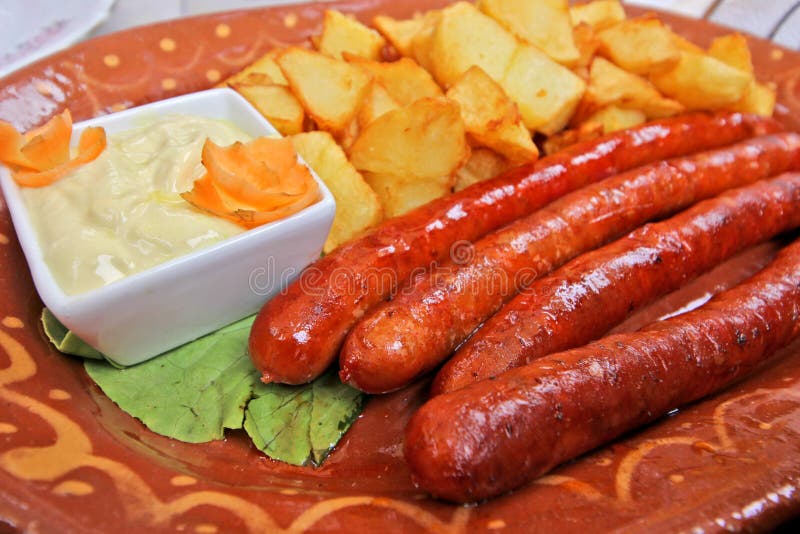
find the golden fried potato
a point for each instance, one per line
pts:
(547, 93)
(357, 205)
(491, 118)
(759, 99)
(610, 85)
(410, 155)
(341, 33)
(685, 45)
(277, 103)
(422, 42)
(599, 14)
(400, 33)
(733, 50)
(255, 72)
(330, 90)
(376, 102)
(587, 43)
(425, 139)
(545, 24)
(464, 37)
(482, 164)
(700, 81)
(404, 79)
(613, 118)
(642, 46)
(400, 194)
(583, 132)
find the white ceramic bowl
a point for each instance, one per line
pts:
(145, 314)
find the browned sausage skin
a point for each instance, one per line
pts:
(297, 334)
(594, 292)
(496, 435)
(399, 340)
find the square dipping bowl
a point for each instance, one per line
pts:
(145, 314)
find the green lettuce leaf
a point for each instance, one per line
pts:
(191, 393)
(302, 424)
(335, 407)
(278, 420)
(196, 391)
(64, 340)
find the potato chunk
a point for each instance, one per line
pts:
(641, 46)
(330, 90)
(410, 155)
(547, 93)
(341, 34)
(357, 205)
(545, 24)
(491, 118)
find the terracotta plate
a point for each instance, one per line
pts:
(71, 461)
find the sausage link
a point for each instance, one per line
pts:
(496, 435)
(596, 291)
(399, 340)
(298, 334)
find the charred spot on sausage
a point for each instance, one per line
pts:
(741, 339)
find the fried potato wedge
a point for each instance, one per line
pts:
(404, 79)
(545, 24)
(410, 155)
(733, 50)
(425, 139)
(583, 132)
(491, 118)
(700, 81)
(610, 85)
(376, 102)
(341, 33)
(642, 46)
(357, 205)
(587, 43)
(330, 90)
(759, 99)
(599, 14)
(256, 71)
(546, 92)
(277, 103)
(613, 118)
(422, 42)
(400, 194)
(482, 164)
(399, 33)
(464, 37)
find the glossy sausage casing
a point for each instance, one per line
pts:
(297, 334)
(399, 340)
(496, 435)
(594, 292)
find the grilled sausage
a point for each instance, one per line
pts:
(298, 334)
(400, 340)
(596, 291)
(495, 435)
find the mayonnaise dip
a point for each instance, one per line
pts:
(122, 213)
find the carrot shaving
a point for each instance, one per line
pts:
(48, 146)
(42, 156)
(11, 143)
(253, 183)
(91, 145)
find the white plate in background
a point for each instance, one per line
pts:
(33, 29)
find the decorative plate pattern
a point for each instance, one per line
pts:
(71, 461)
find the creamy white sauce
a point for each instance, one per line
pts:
(122, 213)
